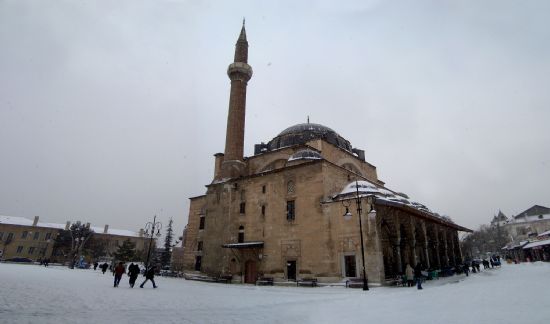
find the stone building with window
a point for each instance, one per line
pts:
(24, 238)
(279, 213)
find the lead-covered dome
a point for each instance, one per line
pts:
(303, 133)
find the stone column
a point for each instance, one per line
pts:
(426, 243)
(436, 247)
(413, 241)
(445, 248)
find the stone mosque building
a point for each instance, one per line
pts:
(279, 213)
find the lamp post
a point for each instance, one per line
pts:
(152, 226)
(372, 213)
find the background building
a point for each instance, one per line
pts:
(24, 238)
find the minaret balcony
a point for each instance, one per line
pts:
(239, 68)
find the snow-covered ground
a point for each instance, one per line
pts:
(34, 294)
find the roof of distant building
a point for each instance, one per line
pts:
(535, 210)
(22, 221)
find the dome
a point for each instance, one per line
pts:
(305, 155)
(303, 133)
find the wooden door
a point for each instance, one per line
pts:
(250, 272)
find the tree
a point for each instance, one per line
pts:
(79, 235)
(167, 253)
(126, 252)
(96, 248)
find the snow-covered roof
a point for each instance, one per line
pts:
(544, 234)
(114, 231)
(537, 243)
(22, 221)
(367, 188)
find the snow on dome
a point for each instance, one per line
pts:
(305, 155)
(303, 133)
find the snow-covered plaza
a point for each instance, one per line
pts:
(34, 294)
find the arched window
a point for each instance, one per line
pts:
(241, 234)
(290, 187)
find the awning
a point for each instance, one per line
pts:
(244, 245)
(538, 243)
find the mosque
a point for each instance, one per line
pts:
(280, 213)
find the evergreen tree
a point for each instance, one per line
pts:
(126, 251)
(167, 253)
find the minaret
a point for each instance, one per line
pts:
(239, 72)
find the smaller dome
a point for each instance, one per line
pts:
(305, 155)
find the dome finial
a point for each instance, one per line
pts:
(308, 119)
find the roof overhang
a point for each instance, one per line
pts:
(244, 245)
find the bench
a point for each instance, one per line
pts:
(264, 281)
(225, 279)
(354, 283)
(310, 282)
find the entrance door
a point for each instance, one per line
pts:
(349, 264)
(198, 261)
(291, 270)
(250, 272)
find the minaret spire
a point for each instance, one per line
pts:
(239, 73)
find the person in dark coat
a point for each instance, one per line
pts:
(104, 267)
(133, 272)
(119, 271)
(466, 269)
(418, 275)
(150, 275)
(95, 265)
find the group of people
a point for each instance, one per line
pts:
(494, 261)
(45, 262)
(413, 275)
(133, 272)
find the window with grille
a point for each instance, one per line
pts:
(290, 187)
(36, 236)
(19, 249)
(201, 222)
(290, 210)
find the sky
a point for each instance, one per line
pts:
(111, 111)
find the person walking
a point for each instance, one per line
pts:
(119, 270)
(133, 272)
(95, 265)
(150, 275)
(409, 274)
(418, 275)
(104, 267)
(466, 269)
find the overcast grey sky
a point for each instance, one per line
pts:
(110, 111)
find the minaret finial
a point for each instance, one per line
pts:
(308, 119)
(244, 19)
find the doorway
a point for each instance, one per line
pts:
(291, 270)
(250, 272)
(198, 261)
(350, 269)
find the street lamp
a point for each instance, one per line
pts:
(372, 215)
(151, 226)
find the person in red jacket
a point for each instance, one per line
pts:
(119, 270)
